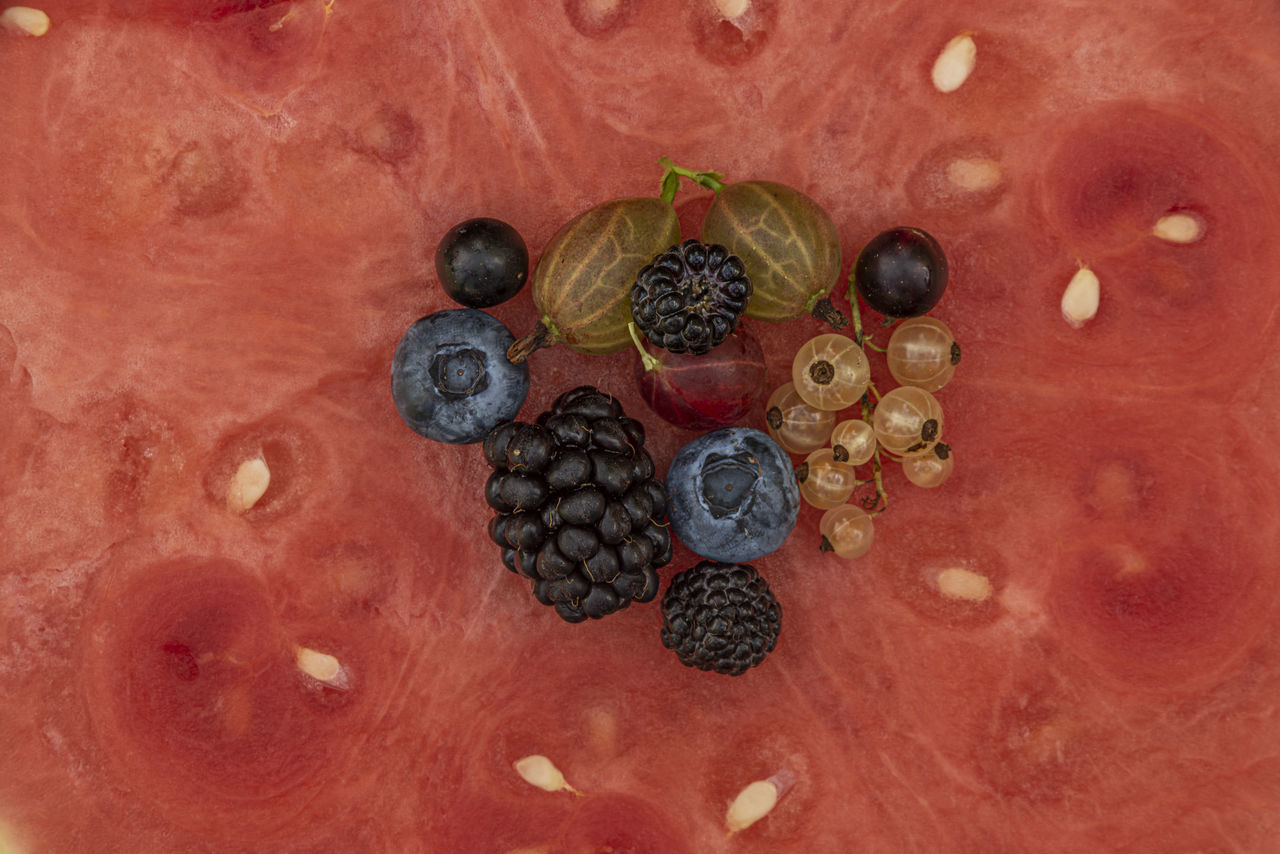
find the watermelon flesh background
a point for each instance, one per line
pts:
(215, 222)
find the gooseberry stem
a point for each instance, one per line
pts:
(544, 334)
(650, 363)
(672, 174)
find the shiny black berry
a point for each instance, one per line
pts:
(721, 617)
(579, 510)
(482, 262)
(690, 297)
(901, 272)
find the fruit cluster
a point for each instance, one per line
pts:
(579, 509)
(902, 271)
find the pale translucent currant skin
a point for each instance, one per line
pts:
(847, 530)
(902, 420)
(830, 372)
(825, 483)
(855, 440)
(928, 470)
(794, 424)
(922, 352)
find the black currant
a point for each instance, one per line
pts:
(901, 272)
(482, 262)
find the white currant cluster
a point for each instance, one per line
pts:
(831, 373)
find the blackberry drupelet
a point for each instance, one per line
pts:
(580, 512)
(721, 617)
(689, 299)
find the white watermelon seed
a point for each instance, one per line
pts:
(965, 584)
(1178, 228)
(955, 63)
(974, 174)
(248, 485)
(538, 770)
(732, 10)
(321, 667)
(757, 800)
(1080, 299)
(24, 21)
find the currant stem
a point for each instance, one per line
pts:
(882, 497)
(671, 179)
(855, 314)
(650, 362)
(881, 502)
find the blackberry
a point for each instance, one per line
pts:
(689, 299)
(579, 511)
(721, 617)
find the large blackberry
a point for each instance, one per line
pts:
(689, 299)
(579, 509)
(721, 617)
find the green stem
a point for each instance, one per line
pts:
(881, 503)
(882, 497)
(650, 362)
(855, 313)
(672, 174)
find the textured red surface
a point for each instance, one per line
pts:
(214, 226)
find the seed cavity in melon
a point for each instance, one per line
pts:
(582, 283)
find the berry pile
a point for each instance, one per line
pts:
(579, 510)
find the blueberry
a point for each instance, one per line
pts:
(733, 495)
(450, 378)
(482, 262)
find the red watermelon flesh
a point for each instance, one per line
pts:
(217, 218)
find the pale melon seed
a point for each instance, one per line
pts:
(8, 845)
(757, 800)
(321, 667)
(964, 584)
(248, 485)
(1178, 228)
(974, 175)
(732, 10)
(752, 804)
(24, 21)
(538, 770)
(1080, 299)
(954, 65)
